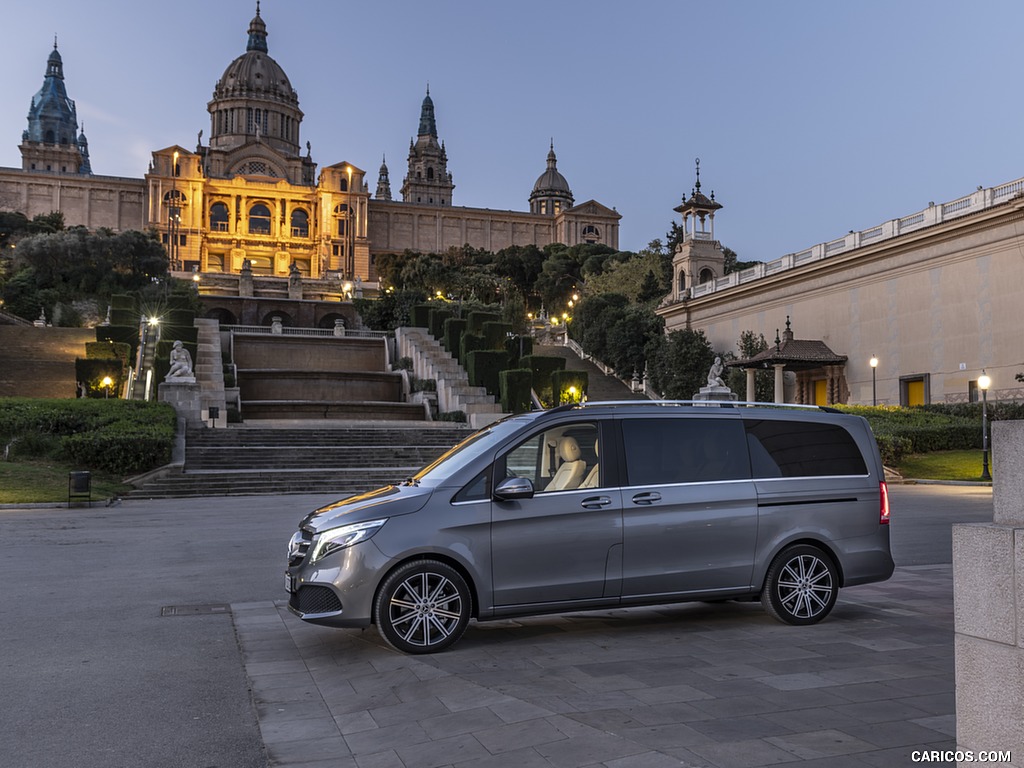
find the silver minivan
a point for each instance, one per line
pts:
(604, 505)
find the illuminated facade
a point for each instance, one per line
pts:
(252, 194)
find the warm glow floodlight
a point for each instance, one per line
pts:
(984, 381)
(873, 362)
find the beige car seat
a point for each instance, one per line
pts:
(594, 475)
(571, 470)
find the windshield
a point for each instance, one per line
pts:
(457, 457)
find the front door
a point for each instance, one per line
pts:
(564, 544)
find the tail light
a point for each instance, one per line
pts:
(883, 511)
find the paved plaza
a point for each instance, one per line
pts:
(689, 685)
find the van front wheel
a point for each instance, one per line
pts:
(801, 586)
(423, 607)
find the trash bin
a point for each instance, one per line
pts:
(80, 486)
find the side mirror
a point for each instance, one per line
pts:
(513, 488)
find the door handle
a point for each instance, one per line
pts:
(594, 502)
(646, 498)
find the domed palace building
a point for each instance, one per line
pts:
(252, 195)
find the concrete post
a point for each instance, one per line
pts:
(988, 608)
(751, 388)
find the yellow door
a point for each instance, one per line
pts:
(915, 392)
(821, 392)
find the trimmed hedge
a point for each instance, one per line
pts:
(542, 366)
(495, 333)
(435, 322)
(477, 319)
(454, 327)
(561, 381)
(512, 345)
(515, 390)
(116, 436)
(484, 367)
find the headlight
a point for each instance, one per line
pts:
(330, 541)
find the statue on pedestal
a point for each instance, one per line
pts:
(181, 363)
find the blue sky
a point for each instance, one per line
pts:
(810, 118)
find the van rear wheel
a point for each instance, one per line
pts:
(801, 585)
(423, 607)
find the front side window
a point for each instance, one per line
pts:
(684, 450)
(300, 223)
(562, 458)
(219, 217)
(802, 449)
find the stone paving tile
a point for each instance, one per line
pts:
(719, 686)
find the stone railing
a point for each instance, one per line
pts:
(289, 331)
(933, 214)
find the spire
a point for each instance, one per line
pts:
(257, 33)
(383, 181)
(552, 161)
(428, 126)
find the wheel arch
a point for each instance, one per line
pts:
(809, 541)
(439, 558)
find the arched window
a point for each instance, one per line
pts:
(300, 223)
(682, 282)
(706, 276)
(259, 220)
(430, 173)
(219, 217)
(591, 234)
(343, 184)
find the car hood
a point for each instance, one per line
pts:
(388, 501)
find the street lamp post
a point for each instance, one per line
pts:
(874, 390)
(175, 214)
(984, 382)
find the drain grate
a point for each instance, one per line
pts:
(211, 609)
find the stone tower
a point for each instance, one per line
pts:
(52, 141)
(699, 258)
(383, 181)
(428, 181)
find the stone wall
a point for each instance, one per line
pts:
(988, 605)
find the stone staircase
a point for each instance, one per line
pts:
(430, 360)
(343, 458)
(600, 386)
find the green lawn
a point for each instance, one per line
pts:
(45, 480)
(943, 465)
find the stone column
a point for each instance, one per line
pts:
(780, 384)
(988, 608)
(751, 388)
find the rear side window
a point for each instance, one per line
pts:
(802, 449)
(664, 451)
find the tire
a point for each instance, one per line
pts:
(801, 585)
(423, 607)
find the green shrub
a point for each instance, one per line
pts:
(495, 334)
(515, 390)
(483, 366)
(118, 436)
(459, 416)
(542, 367)
(514, 343)
(478, 318)
(470, 342)
(569, 386)
(420, 315)
(435, 321)
(454, 327)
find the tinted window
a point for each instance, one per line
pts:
(802, 449)
(660, 451)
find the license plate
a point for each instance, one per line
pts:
(289, 582)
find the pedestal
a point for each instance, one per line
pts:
(988, 608)
(183, 394)
(715, 394)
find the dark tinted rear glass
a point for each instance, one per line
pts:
(802, 449)
(661, 451)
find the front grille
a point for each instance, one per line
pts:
(299, 546)
(312, 598)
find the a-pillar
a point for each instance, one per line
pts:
(780, 383)
(988, 608)
(751, 386)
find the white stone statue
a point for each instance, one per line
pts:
(181, 362)
(715, 374)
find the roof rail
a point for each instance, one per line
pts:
(728, 403)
